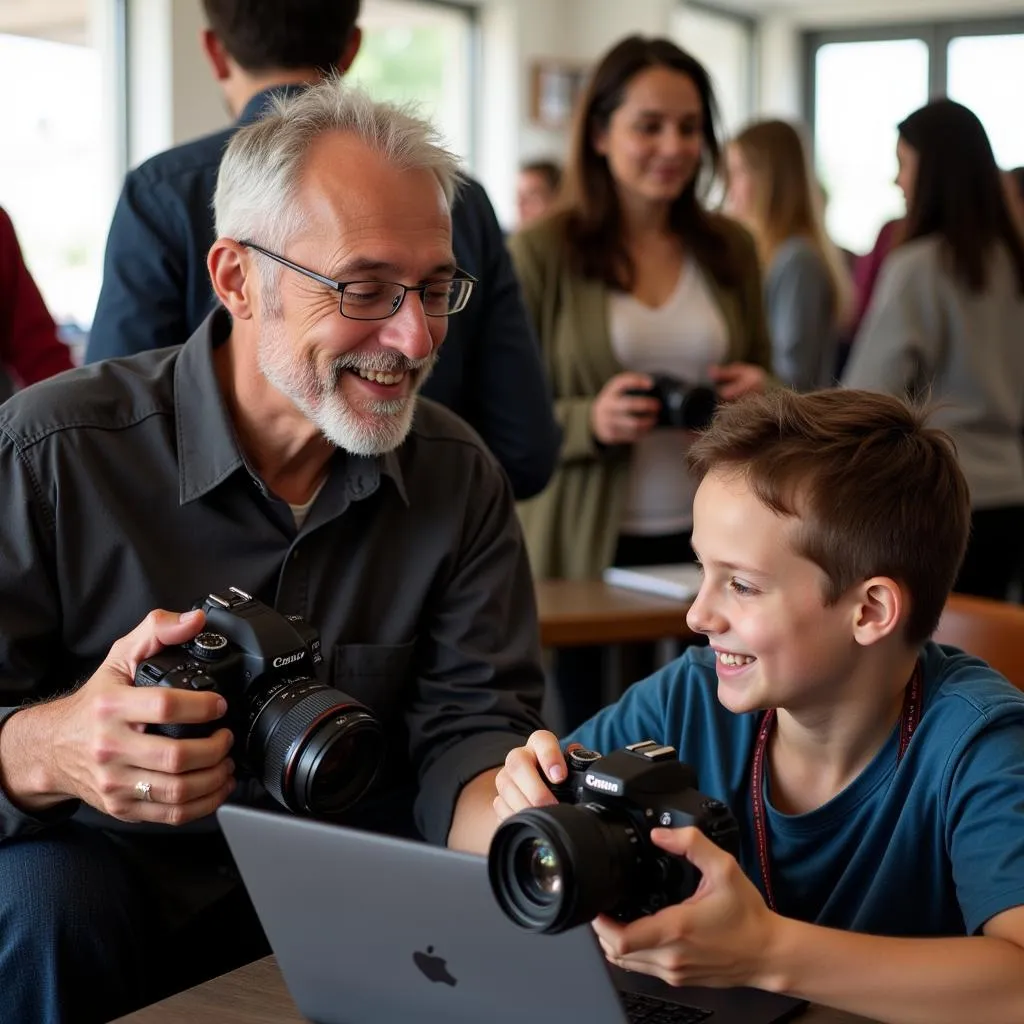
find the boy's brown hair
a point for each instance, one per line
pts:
(879, 492)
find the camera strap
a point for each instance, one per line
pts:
(910, 716)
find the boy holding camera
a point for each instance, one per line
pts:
(877, 778)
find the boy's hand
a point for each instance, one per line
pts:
(721, 936)
(520, 784)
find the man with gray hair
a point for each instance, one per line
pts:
(281, 450)
(156, 290)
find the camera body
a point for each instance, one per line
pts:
(315, 749)
(682, 405)
(552, 868)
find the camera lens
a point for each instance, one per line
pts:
(319, 748)
(553, 868)
(539, 868)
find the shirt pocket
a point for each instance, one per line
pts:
(379, 675)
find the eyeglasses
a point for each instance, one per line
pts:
(377, 300)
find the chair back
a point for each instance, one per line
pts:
(992, 630)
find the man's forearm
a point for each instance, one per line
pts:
(474, 820)
(24, 772)
(899, 981)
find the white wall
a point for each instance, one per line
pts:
(172, 95)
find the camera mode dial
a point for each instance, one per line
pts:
(580, 758)
(209, 646)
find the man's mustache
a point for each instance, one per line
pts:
(381, 362)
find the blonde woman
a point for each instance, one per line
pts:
(807, 289)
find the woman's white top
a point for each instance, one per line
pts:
(682, 337)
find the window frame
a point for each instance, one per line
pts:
(936, 35)
(474, 65)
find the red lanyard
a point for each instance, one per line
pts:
(910, 716)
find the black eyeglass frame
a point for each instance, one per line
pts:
(463, 278)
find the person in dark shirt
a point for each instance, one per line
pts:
(282, 450)
(29, 347)
(156, 290)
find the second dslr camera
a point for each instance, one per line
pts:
(553, 868)
(315, 749)
(687, 406)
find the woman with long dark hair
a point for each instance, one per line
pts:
(633, 278)
(947, 323)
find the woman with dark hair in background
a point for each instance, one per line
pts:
(772, 192)
(633, 277)
(947, 324)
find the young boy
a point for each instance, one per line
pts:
(884, 774)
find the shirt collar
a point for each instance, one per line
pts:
(208, 450)
(260, 103)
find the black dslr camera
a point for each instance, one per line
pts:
(689, 406)
(315, 749)
(553, 868)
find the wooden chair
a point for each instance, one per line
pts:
(993, 630)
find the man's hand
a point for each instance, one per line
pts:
(92, 745)
(720, 936)
(520, 784)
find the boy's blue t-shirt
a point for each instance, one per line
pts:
(932, 847)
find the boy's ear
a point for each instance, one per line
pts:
(880, 610)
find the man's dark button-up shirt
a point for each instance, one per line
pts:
(156, 291)
(125, 490)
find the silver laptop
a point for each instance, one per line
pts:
(370, 929)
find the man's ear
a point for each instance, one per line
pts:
(349, 53)
(216, 55)
(233, 276)
(880, 610)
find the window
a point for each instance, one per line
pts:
(63, 123)
(986, 73)
(862, 83)
(421, 52)
(855, 130)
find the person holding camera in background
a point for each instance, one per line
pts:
(877, 778)
(281, 450)
(633, 278)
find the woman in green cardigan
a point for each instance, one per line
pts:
(632, 277)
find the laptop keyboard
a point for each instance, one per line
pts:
(649, 1010)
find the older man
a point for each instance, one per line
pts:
(281, 450)
(156, 290)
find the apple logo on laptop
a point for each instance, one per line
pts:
(433, 966)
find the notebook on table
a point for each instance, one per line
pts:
(681, 581)
(370, 929)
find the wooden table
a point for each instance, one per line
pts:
(576, 612)
(256, 995)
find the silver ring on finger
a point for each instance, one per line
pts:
(144, 791)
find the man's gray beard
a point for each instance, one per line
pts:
(384, 425)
